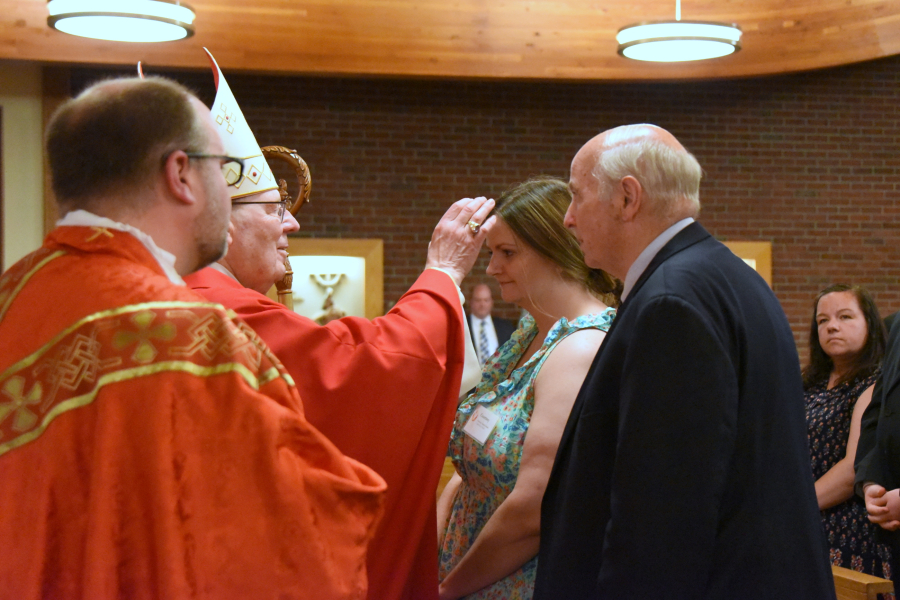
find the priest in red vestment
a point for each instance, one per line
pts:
(151, 446)
(384, 391)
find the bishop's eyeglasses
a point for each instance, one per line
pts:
(280, 208)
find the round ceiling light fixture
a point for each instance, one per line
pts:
(678, 41)
(123, 20)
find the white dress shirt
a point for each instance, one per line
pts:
(490, 333)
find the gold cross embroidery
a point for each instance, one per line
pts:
(98, 231)
(145, 352)
(23, 419)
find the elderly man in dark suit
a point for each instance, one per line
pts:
(683, 471)
(488, 332)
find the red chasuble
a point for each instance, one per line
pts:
(385, 392)
(151, 447)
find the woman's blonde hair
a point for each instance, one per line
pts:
(534, 211)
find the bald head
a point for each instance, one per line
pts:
(628, 185)
(667, 172)
(629, 134)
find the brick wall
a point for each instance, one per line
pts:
(809, 162)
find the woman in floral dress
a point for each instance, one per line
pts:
(506, 433)
(847, 341)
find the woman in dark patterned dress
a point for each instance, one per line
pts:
(846, 346)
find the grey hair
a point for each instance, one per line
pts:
(670, 176)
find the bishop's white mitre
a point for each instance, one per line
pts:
(238, 140)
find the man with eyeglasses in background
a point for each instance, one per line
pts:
(151, 446)
(384, 391)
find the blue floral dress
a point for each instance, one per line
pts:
(489, 471)
(851, 537)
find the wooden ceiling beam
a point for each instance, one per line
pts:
(517, 39)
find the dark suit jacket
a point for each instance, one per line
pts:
(878, 451)
(503, 327)
(684, 470)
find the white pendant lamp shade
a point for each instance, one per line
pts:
(123, 20)
(678, 41)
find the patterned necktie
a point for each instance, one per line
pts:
(483, 342)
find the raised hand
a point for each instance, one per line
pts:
(455, 243)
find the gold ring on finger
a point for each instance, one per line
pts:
(474, 227)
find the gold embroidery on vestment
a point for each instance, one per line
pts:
(9, 288)
(120, 344)
(23, 419)
(99, 316)
(125, 375)
(269, 376)
(98, 231)
(145, 352)
(75, 363)
(209, 335)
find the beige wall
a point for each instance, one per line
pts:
(23, 213)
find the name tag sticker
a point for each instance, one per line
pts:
(481, 424)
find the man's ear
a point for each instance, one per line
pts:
(176, 171)
(633, 197)
(230, 235)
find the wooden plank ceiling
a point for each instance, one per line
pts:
(517, 39)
